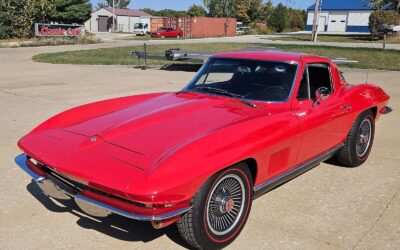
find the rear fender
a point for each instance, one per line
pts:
(366, 96)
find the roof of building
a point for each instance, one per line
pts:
(127, 12)
(343, 5)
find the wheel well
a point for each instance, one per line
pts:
(374, 111)
(252, 165)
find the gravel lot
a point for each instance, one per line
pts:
(327, 208)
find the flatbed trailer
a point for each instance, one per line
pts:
(200, 57)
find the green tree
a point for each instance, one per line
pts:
(165, 12)
(379, 17)
(5, 21)
(388, 4)
(150, 11)
(241, 11)
(17, 17)
(279, 19)
(297, 20)
(255, 10)
(101, 5)
(220, 8)
(266, 11)
(71, 11)
(121, 4)
(171, 13)
(196, 10)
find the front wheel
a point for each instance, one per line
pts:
(220, 209)
(359, 141)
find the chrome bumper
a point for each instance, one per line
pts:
(88, 205)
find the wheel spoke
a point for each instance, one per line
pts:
(225, 204)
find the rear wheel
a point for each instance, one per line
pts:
(359, 141)
(220, 209)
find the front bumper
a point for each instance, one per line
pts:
(87, 204)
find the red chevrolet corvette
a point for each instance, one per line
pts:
(245, 124)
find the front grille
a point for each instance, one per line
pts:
(79, 187)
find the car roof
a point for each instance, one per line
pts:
(269, 55)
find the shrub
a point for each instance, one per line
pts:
(296, 20)
(378, 17)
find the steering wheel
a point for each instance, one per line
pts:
(265, 89)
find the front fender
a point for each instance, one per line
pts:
(178, 174)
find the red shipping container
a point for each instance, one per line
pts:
(213, 27)
(156, 23)
(199, 27)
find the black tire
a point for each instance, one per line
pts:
(359, 141)
(202, 226)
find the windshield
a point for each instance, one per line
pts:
(138, 25)
(162, 29)
(253, 80)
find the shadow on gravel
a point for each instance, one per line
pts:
(114, 226)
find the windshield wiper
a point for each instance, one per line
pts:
(224, 92)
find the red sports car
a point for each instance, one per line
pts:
(245, 124)
(167, 32)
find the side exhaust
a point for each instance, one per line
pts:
(158, 224)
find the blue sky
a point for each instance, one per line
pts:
(184, 4)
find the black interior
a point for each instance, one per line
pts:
(303, 89)
(319, 76)
(254, 80)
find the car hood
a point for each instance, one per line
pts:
(163, 122)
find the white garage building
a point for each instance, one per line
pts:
(341, 16)
(125, 19)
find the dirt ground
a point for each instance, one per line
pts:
(329, 207)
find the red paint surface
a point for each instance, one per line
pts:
(161, 148)
(212, 27)
(171, 32)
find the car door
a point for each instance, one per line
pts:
(323, 122)
(170, 32)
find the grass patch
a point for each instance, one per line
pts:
(367, 58)
(334, 38)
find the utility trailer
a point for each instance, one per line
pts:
(199, 57)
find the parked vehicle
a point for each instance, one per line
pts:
(246, 123)
(167, 32)
(141, 29)
(241, 29)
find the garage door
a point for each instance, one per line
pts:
(103, 23)
(337, 22)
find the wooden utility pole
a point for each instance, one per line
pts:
(315, 23)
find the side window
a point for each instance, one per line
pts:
(304, 90)
(319, 76)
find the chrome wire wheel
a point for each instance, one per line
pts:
(364, 138)
(225, 205)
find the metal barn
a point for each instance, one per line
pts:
(341, 16)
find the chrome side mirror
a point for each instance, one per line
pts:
(321, 94)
